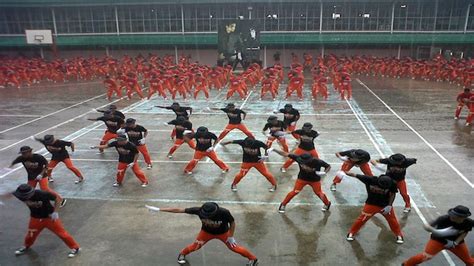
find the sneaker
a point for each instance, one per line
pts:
(225, 170)
(181, 259)
(400, 240)
(326, 207)
(73, 252)
(79, 181)
(145, 184)
(252, 262)
(63, 202)
(350, 237)
(188, 173)
(468, 124)
(407, 210)
(281, 209)
(272, 189)
(283, 170)
(50, 179)
(117, 184)
(21, 251)
(333, 187)
(456, 118)
(233, 188)
(149, 166)
(170, 156)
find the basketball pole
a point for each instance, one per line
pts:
(41, 52)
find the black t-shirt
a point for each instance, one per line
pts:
(40, 204)
(376, 195)
(126, 152)
(204, 141)
(308, 170)
(289, 116)
(251, 153)
(119, 114)
(397, 172)
(58, 149)
(181, 127)
(217, 225)
(135, 134)
(235, 116)
(306, 139)
(113, 123)
(181, 111)
(34, 166)
(444, 222)
(280, 126)
(365, 158)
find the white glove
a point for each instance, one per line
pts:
(275, 111)
(263, 158)
(38, 178)
(54, 216)
(208, 108)
(321, 173)
(450, 244)
(293, 124)
(187, 132)
(239, 56)
(93, 147)
(166, 123)
(279, 134)
(152, 208)
(130, 165)
(121, 131)
(380, 167)
(210, 149)
(270, 150)
(387, 209)
(231, 241)
(340, 174)
(142, 141)
(343, 158)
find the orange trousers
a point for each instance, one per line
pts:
(370, 210)
(122, 167)
(43, 184)
(260, 166)
(299, 151)
(280, 140)
(135, 88)
(237, 89)
(402, 188)
(157, 89)
(231, 127)
(106, 137)
(470, 117)
(297, 88)
(459, 109)
(433, 247)
(179, 142)
(300, 184)
(52, 164)
(204, 237)
(198, 155)
(203, 89)
(346, 166)
(265, 89)
(146, 155)
(37, 225)
(111, 90)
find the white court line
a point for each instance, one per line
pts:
(420, 136)
(20, 116)
(172, 161)
(50, 114)
(256, 114)
(415, 206)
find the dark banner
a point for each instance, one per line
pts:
(238, 42)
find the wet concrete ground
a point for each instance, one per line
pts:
(113, 227)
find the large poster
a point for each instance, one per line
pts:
(238, 42)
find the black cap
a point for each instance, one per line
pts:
(208, 209)
(271, 118)
(24, 192)
(175, 104)
(249, 141)
(397, 158)
(308, 125)
(121, 137)
(384, 181)
(288, 105)
(48, 139)
(202, 130)
(130, 121)
(230, 105)
(25, 149)
(460, 211)
(112, 107)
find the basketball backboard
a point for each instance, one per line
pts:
(39, 37)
